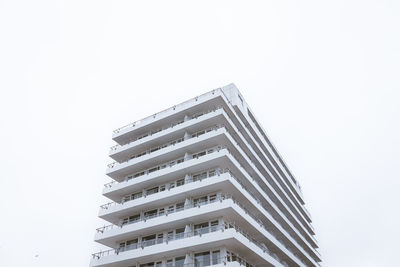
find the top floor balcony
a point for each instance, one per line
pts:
(162, 119)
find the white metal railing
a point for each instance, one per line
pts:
(191, 179)
(165, 165)
(166, 213)
(186, 180)
(192, 233)
(161, 112)
(147, 152)
(258, 220)
(173, 142)
(249, 160)
(172, 125)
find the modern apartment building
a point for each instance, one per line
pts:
(200, 184)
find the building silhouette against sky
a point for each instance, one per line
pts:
(200, 184)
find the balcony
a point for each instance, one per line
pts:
(162, 212)
(161, 157)
(228, 229)
(229, 124)
(180, 123)
(258, 201)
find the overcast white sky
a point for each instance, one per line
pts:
(322, 77)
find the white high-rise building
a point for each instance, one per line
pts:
(200, 184)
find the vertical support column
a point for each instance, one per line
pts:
(188, 203)
(221, 223)
(164, 262)
(188, 178)
(189, 259)
(186, 118)
(187, 157)
(187, 136)
(144, 193)
(188, 230)
(223, 255)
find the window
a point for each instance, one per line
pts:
(180, 206)
(161, 211)
(196, 177)
(199, 176)
(202, 259)
(179, 261)
(179, 233)
(158, 264)
(233, 257)
(171, 185)
(169, 263)
(132, 196)
(141, 154)
(163, 166)
(150, 264)
(154, 149)
(152, 191)
(200, 201)
(138, 174)
(148, 240)
(171, 209)
(136, 195)
(131, 219)
(201, 228)
(154, 169)
(198, 155)
(160, 238)
(162, 188)
(213, 198)
(180, 182)
(150, 214)
(214, 226)
(211, 173)
(131, 244)
(134, 218)
(170, 235)
(216, 257)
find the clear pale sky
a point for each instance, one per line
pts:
(322, 77)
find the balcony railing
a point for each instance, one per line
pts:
(252, 163)
(172, 125)
(173, 142)
(245, 155)
(258, 220)
(167, 164)
(163, 111)
(147, 152)
(192, 178)
(106, 206)
(192, 233)
(185, 207)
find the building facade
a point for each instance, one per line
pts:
(200, 184)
